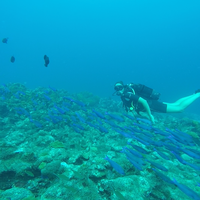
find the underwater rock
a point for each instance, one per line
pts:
(16, 193)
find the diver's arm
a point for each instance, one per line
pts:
(147, 108)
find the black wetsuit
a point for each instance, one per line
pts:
(130, 99)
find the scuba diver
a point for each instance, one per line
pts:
(141, 98)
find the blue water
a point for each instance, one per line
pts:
(93, 44)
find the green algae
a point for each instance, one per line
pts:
(42, 165)
(57, 144)
(62, 177)
(30, 198)
(29, 173)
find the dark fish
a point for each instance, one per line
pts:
(5, 40)
(46, 60)
(12, 59)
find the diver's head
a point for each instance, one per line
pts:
(119, 88)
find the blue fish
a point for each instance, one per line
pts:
(60, 110)
(158, 166)
(161, 154)
(73, 118)
(100, 115)
(135, 164)
(53, 89)
(182, 138)
(129, 116)
(80, 117)
(116, 166)
(190, 153)
(78, 126)
(78, 103)
(22, 111)
(183, 134)
(141, 141)
(47, 97)
(190, 193)
(135, 153)
(77, 130)
(140, 149)
(111, 123)
(55, 119)
(68, 98)
(194, 166)
(146, 121)
(35, 103)
(36, 123)
(134, 160)
(21, 92)
(179, 158)
(158, 131)
(194, 150)
(163, 177)
(102, 129)
(145, 138)
(171, 148)
(172, 140)
(127, 135)
(148, 134)
(92, 125)
(130, 128)
(157, 143)
(148, 128)
(116, 117)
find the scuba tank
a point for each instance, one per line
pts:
(145, 92)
